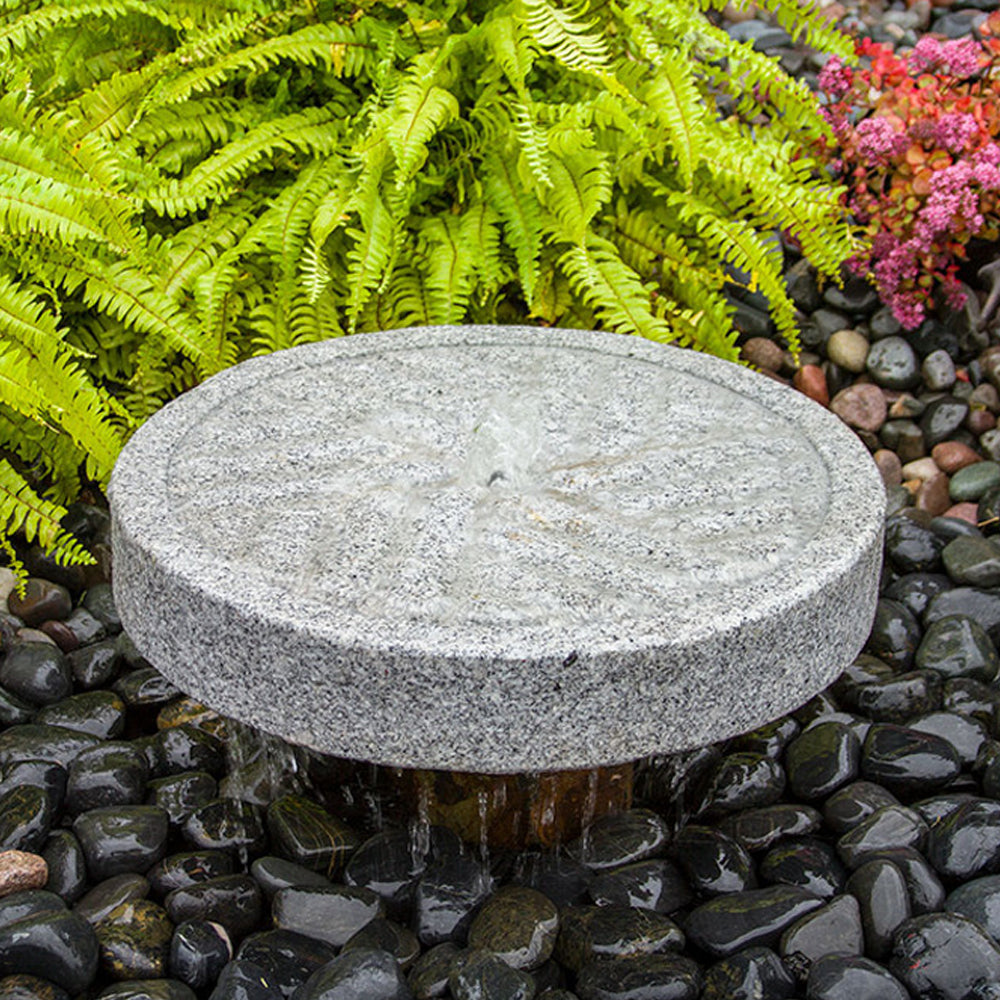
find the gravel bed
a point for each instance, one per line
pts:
(849, 851)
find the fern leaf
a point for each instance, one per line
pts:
(369, 257)
(558, 31)
(674, 98)
(521, 215)
(581, 187)
(420, 110)
(603, 280)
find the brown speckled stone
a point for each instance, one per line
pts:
(950, 456)
(21, 870)
(933, 495)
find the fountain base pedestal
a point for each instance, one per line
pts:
(519, 810)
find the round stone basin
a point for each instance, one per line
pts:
(496, 549)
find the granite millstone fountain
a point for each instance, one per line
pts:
(497, 549)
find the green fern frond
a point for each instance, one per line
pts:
(22, 509)
(420, 110)
(581, 188)
(368, 258)
(674, 98)
(558, 31)
(520, 214)
(601, 278)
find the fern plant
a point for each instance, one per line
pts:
(185, 184)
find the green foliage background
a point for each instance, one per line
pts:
(185, 184)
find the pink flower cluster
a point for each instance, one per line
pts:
(958, 56)
(835, 78)
(954, 129)
(878, 140)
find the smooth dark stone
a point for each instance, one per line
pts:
(947, 957)
(895, 634)
(25, 819)
(273, 874)
(923, 886)
(517, 924)
(966, 736)
(801, 285)
(942, 418)
(242, 979)
(367, 973)
(621, 838)
(758, 829)
(770, 739)
(42, 600)
(226, 824)
(713, 861)
(94, 665)
(953, 527)
(900, 698)
(307, 834)
(880, 889)
(428, 979)
(980, 605)
(385, 935)
(332, 915)
(67, 865)
(36, 672)
(819, 706)
(730, 923)
(812, 865)
(28, 903)
(58, 946)
(974, 699)
(235, 901)
(187, 748)
(752, 974)
(906, 439)
(854, 803)
(121, 839)
(973, 562)
(100, 602)
(385, 864)
(762, 36)
(446, 898)
(286, 959)
(198, 952)
(107, 896)
(958, 646)
(100, 713)
(908, 762)
(177, 871)
(833, 929)
(978, 900)
(647, 976)
(745, 781)
(589, 933)
(134, 940)
(111, 774)
(966, 844)
(821, 760)
(30, 988)
(145, 686)
(848, 977)
(916, 590)
(180, 795)
(911, 547)
(559, 877)
(33, 742)
(656, 884)
(886, 828)
(939, 807)
(78, 629)
(14, 711)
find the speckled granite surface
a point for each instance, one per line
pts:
(496, 549)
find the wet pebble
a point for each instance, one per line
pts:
(25, 818)
(973, 562)
(198, 952)
(713, 861)
(845, 977)
(519, 925)
(234, 901)
(906, 761)
(811, 864)
(307, 834)
(854, 803)
(589, 933)
(286, 959)
(751, 974)
(657, 884)
(108, 895)
(120, 839)
(226, 824)
(895, 634)
(886, 828)
(893, 364)
(20, 870)
(478, 975)
(367, 973)
(881, 892)
(947, 957)
(833, 929)
(36, 672)
(134, 940)
(966, 843)
(958, 646)
(758, 829)
(55, 945)
(42, 600)
(644, 976)
(330, 915)
(729, 923)
(620, 838)
(822, 759)
(111, 774)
